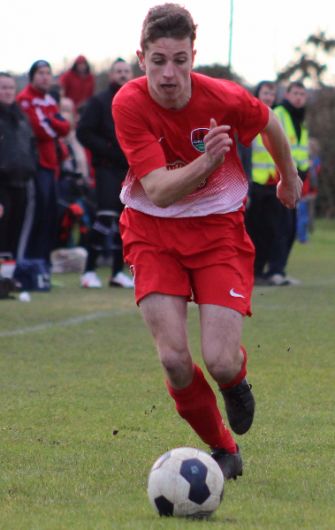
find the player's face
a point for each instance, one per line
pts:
(167, 63)
(7, 90)
(42, 79)
(297, 96)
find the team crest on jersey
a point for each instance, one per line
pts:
(197, 138)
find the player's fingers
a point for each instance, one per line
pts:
(218, 142)
(218, 128)
(212, 123)
(215, 136)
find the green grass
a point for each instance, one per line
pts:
(84, 412)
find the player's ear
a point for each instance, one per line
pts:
(194, 52)
(140, 56)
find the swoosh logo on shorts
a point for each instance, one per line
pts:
(234, 294)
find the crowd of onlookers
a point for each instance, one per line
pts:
(61, 170)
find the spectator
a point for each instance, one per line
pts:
(75, 194)
(262, 214)
(291, 114)
(76, 161)
(18, 164)
(48, 126)
(96, 132)
(78, 83)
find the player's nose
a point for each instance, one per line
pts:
(168, 69)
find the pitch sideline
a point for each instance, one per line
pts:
(65, 323)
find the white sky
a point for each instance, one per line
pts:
(265, 32)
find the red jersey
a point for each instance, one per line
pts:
(153, 137)
(46, 123)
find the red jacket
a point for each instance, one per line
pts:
(48, 125)
(78, 87)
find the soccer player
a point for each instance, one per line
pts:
(183, 225)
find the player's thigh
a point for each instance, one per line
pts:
(221, 331)
(166, 317)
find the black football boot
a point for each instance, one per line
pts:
(230, 464)
(240, 406)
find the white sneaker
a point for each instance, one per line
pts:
(90, 280)
(292, 281)
(278, 279)
(122, 280)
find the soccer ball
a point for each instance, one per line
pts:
(185, 482)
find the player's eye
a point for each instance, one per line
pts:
(158, 60)
(180, 60)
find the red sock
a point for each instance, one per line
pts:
(197, 405)
(241, 374)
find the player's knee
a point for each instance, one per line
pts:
(177, 364)
(223, 367)
(171, 360)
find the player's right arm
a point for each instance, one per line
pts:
(165, 187)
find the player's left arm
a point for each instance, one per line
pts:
(275, 141)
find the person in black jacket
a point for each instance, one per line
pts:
(97, 133)
(18, 164)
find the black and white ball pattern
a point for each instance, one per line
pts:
(185, 482)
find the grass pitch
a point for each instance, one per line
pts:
(84, 412)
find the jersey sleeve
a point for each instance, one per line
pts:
(252, 117)
(140, 146)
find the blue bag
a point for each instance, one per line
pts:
(33, 275)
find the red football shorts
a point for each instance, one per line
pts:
(206, 259)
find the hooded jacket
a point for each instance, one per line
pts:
(78, 87)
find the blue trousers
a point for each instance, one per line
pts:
(44, 229)
(302, 221)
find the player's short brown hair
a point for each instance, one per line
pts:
(167, 20)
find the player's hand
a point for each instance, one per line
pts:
(217, 142)
(289, 193)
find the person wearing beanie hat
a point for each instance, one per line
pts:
(48, 126)
(35, 66)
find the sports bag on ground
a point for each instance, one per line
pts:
(33, 275)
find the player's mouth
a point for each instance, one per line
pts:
(168, 87)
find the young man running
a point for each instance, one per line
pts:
(183, 225)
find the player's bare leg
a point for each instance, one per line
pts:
(194, 398)
(221, 330)
(166, 316)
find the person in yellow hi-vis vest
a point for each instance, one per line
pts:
(270, 225)
(291, 114)
(263, 207)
